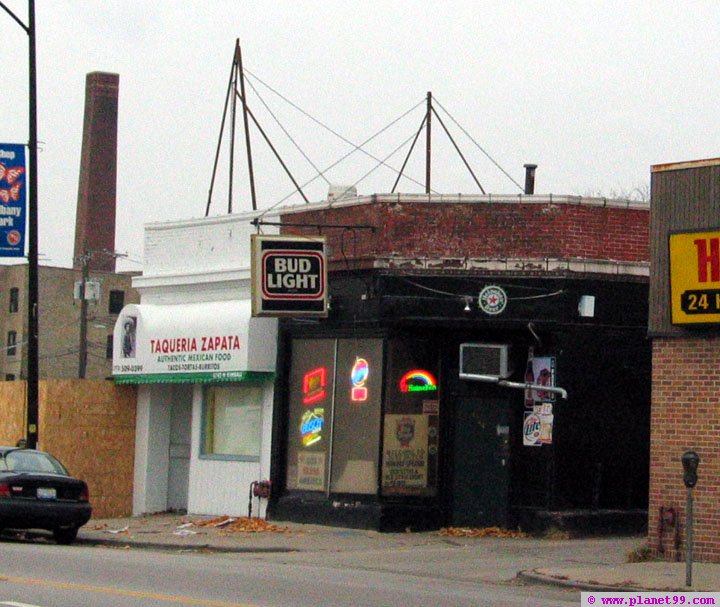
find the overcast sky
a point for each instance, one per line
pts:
(593, 92)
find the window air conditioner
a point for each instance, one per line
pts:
(484, 362)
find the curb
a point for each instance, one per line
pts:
(532, 576)
(180, 547)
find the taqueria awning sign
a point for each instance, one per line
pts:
(190, 343)
(695, 277)
(289, 276)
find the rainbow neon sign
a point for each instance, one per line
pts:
(418, 380)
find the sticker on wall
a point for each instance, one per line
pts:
(431, 407)
(358, 378)
(544, 410)
(311, 426)
(492, 300)
(531, 430)
(540, 372)
(418, 380)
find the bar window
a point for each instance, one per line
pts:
(334, 415)
(14, 300)
(11, 343)
(411, 420)
(232, 422)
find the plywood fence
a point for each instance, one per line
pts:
(89, 425)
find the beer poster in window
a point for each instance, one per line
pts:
(405, 452)
(310, 471)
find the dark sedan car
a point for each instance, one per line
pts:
(37, 492)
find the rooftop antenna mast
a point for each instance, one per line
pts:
(427, 124)
(237, 78)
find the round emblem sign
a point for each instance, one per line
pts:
(13, 237)
(492, 300)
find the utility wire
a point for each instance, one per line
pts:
(356, 147)
(490, 158)
(284, 130)
(334, 164)
(382, 162)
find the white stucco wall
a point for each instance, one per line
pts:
(152, 449)
(221, 487)
(200, 260)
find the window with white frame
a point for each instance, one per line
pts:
(232, 422)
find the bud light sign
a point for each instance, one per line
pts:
(289, 276)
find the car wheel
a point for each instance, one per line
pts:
(65, 535)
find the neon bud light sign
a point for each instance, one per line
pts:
(311, 426)
(418, 381)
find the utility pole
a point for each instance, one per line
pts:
(85, 264)
(33, 373)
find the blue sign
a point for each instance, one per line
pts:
(13, 185)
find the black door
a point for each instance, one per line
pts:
(480, 458)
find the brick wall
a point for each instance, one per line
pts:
(90, 426)
(685, 415)
(485, 230)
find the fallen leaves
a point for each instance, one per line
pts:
(243, 524)
(480, 532)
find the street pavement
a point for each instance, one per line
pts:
(599, 564)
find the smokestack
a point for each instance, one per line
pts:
(95, 219)
(530, 178)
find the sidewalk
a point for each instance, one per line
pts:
(590, 564)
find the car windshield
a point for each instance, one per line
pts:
(33, 461)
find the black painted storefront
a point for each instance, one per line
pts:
(592, 476)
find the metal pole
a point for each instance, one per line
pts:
(689, 527)
(82, 363)
(233, 114)
(31, 433)
(33, 312)
(251, 172)
(428, 137)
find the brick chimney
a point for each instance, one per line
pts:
(95, 218)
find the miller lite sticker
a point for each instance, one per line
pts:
(531, 430)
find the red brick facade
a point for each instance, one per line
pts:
(685, 415)
(543, 228)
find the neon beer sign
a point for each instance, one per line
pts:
(314, 386)
(311, 426)
(418, 380)
(358, 377)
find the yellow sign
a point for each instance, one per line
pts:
(695, 277)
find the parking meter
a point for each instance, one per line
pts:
(690, 461)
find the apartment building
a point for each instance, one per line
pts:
(60, 320)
